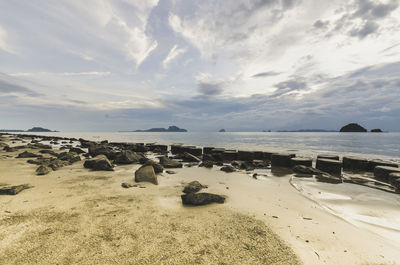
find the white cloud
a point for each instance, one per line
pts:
(173, 54)
(4, 45)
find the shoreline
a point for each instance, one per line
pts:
(301, 223)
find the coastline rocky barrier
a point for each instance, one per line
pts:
(50, 153)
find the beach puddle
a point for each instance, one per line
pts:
(375, 210)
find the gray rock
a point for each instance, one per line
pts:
(170, 172)
(13, 190)
(156, 166)
(294, 161)
(27, 154)
(77, 150)
(193, 186)
(127, 157)
(43, 170)
(100, 162)
(69, 156)
(333, 167)
(282, 160)
(355, 164)
(196, 199)
(95, 150)
(382, 172)
(207, 164)
(169, 163)
(146, 174)
(47, 151)
(9, 149)
(228, 169)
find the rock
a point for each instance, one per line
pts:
(219, 163)
(192, 150)
(156, 166)
(9, 149)
(27, 154)
(245, 156)
(354, 164)
(329, 178)
(247, 165)
(376, 130)
(69, 156)
(193, 186)
(169, 163)
(353, 127)
(95, 150)
(127, 185)
(13, 190)
(146, 174)
(47, 151)
(327, 156)
(127, 157)
(207, 150)
(374, 163)
(394, 179)
(229, 155)
(267, 156)
(333, 167)
(228, 169)
(191, 164)
(301, 169)
(43, 170)
(170, 172)
(57, 163)
(382, 172)
(282, 160)
(201, 199)
(100, 162)
(77, 150)
(207, 164)
(187, 157)
(294, 161)
(176, 149)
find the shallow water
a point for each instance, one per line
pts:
(371, 209)
(385, 145)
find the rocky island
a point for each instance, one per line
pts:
(353, 127)
(170, 129)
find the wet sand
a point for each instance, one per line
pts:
(76, 216)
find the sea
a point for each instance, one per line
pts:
(374, 145)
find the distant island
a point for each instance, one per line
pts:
(307, 130)
(34, 129)
(376, 130)
(170, 129)
(222, 130)
(353, 127)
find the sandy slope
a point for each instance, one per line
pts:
(76, 216)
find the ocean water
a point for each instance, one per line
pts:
(374, 145)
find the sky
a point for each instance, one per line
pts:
(242, 65)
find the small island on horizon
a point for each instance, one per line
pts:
(34, 129)
(172, 128)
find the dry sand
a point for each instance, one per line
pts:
(76, 216)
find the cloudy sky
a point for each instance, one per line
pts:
(243, 65)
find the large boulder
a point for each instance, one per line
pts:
(43, 170)
(95, 150)
(169, 163)
(282, 159)
(127, 157)
(374, 163)
(156, 166)
(355, 164)
(330, 166)
(382, 172)
(27, 154)
(100, 162)
(353, 127)
(77, 150)
(294, 161)
(71, 157)
(146, 174)
(193, 186)
(196, 199)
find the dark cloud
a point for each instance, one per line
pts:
(368, 28)
(8, 87)
(210, 89)
(266, 74)
(291, 85)
(370, 10)
(319, 24)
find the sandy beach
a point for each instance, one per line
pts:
(77, 216)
